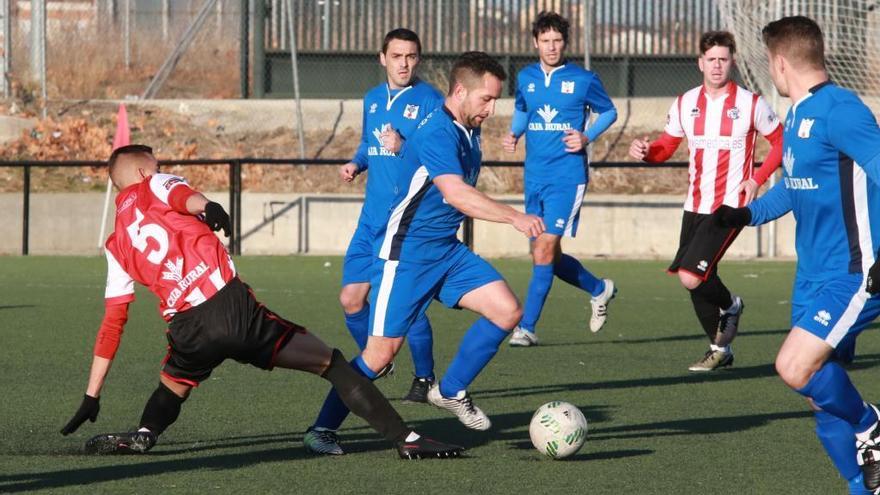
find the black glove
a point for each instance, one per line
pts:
(728, 217)
(217, 218)
(873, 283)
(88, 410)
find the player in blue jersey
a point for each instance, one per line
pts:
(831, 183)
(420, 256)
(553, 99)
(391, 112)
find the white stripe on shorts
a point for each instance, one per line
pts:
(575, 208)
(389, 269)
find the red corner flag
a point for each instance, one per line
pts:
(123, 135)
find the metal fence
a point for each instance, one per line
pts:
(116, 48)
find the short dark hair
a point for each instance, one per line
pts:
(711, 39)
(798, 38)
(130, 149)
(401, 34)
(547, 21)
(473, 65)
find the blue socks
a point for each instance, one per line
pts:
(839, 440)
(478, 346)
(334, 411)
(832, 391)
(358, 325)
(421, 344)
(539, 287)
(570, 270)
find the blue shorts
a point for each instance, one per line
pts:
(558, 204)
(403, 290)
(835, 310)
(359, 258)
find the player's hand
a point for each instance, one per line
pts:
(391, 140)
(217, 218)
(749, 187)
(88, 410)
(729, 217)
(348, 171)
(639, 148)
(508, 144)
(530, 225)
(873, 283)
(575, 141)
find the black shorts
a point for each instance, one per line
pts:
(231, 324)
(701, 245)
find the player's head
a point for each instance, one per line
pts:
(131, 164)
(401, 53)
(794, 45)
(550, 31)
(717, 49)
(474, 85)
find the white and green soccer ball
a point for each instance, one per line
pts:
(558, 429)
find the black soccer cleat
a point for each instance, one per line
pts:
(418, 392)
(133, 442)
(868, 454)
(426, 448)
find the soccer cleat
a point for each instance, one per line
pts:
(713, 360)
(425, 448)
(322, 441)
(522, 338)
(729, 323)
(868, 454)
(600, 306)
(418, 392)
(462, 406)
(133, 442)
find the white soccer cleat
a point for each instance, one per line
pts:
(868, 454)
(600, 306)
(729, 322)
(463, 407)
(522, 338)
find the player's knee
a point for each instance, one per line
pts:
(351, 301)
(688, 281)
(543, 253)
(794, 373)
(507, 313)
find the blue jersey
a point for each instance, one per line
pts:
(831, 165)
(422, 225)
(554, 103)
(402, 111)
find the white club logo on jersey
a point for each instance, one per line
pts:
(560, 223)
(568, 87)
(733, 113)
(373, 108)
(175, 270)
(822, 317)
(547, 113)
(702, 265)
(804, 129)
(411, 111)
(379, 150)
(788, 161)
(530, 88)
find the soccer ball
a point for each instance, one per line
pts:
(558, 429)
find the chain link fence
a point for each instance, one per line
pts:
(115, 48)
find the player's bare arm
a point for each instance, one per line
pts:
(473, 203)
(508, 143)
(639, 148)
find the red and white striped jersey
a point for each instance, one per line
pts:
(721, 136)
(174, 254)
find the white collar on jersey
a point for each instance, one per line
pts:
(390, 99)
(547, 75)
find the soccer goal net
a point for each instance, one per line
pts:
(852, 40)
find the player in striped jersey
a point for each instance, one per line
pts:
(161, 243)
(831, 183)
(721, 121)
